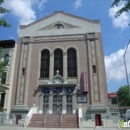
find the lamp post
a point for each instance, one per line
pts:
(126, 67)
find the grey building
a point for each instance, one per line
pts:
(8, 53)
(60, 66)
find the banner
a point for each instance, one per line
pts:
(84, 82)
(112, 95)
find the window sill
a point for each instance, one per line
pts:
(43, 78)
(71, 77)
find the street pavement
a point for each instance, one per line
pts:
(30, 128)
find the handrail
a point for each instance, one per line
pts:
(45, 117)
(28, 118)
(76, 111)
(61, 119)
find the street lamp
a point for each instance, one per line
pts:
(126, 67)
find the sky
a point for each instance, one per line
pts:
(115, 31)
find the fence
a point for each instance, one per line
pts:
(12, 119)
(106, 123)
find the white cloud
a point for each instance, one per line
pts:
(77, 4)
(23, 9)
(123, 20)
(41, 4)
(114, 63)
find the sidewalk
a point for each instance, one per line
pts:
(30, 128)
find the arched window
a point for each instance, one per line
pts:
(6, 58)
(45, 61)
(58, 61)
(58, 26)
(71, 63)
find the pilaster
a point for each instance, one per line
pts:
(51, 65)
(65, 65)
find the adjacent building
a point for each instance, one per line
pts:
(8, 53)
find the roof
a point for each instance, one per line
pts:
(7, 43)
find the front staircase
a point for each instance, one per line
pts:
(70, 121)
(54, 121)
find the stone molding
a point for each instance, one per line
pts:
(59, 38)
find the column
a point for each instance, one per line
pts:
(41, 103)
(74, 103)
(50, 103)
(64, 103)
(65, 65)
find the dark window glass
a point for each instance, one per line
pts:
(94, 69)
(71, 63)
(58, 61)
(6, 58)
(3, 79)
(23, 71)
(2, 100)
(45, 61)
(59, 26)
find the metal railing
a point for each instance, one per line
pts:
(46, 116)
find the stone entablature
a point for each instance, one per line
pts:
(84, 37)
(60, 38)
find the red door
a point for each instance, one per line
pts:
(98, 119)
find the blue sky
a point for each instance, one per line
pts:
(115, 31)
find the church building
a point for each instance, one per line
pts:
(60, 67)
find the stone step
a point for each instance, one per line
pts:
(53, 121)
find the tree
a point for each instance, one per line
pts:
(3, 22)
(123, 96)
(114, 100)
(125, 8)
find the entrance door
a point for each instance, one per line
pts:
(45, 102)
(98, 119)
(57, 103)
(69, 103)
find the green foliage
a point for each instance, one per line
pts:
(114, 100)
(126, 7)
(3, 22)
(123, 96)
(2, 66)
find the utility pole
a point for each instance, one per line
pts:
(127, 77)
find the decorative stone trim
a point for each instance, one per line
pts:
(59, 38)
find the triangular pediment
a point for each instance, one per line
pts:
(57, 79)
(45, 26)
